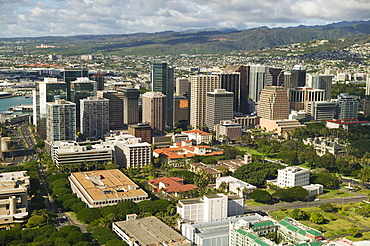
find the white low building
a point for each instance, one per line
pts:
(293, 176)
(235, 185)
(14, 197)
(210, 207)
(314, 189)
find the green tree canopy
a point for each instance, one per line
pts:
(261, 196)
(256, 172)
(317, 218)
(88, 215)
(291, 194)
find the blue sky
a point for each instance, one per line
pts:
(33, 18)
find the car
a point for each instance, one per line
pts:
(317, 199)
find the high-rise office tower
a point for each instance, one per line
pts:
(99, 78)
(273, 104)
(219, 107)
(257, 80)
(347, 106)
(71, 74)
(287, 82)
(130, 105)
(162, 79)
(94, 116)
(200, 85)
(274, 77)
(47, 91)
(115, 108)
(367, 90)
(298, 97)
(141, 130)
(81, 88)
(321, 82)
(182, 86)
(298, 76)
(181, 111)
(60, 121)
(154, 111)
(236, 80)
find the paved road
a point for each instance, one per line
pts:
(70, 220)
(275, 207)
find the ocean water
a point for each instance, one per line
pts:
(6, 103)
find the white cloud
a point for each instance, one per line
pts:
(19, 18)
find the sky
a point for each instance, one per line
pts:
(34, 18)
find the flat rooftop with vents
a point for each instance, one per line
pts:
(105, 187)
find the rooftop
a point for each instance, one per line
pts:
(107, 184)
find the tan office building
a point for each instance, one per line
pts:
(200, 85)
(273, 104)
(105, 187)
(154, 111)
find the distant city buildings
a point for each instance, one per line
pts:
(94, 116)
(154, 111)
(219, 106)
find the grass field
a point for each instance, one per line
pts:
(250, 151)
(334, 194)
(336, 224)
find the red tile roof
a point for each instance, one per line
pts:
(196, 131)
(172, 184)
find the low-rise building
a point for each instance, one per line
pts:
(228, 130)
(323, 146)
(105, 187)
(172, 186)
(199, 136)
(14, 197)
(210, 207)
(293, 231)
(71, 152)
(293, 176)
(134, 155)
(345, 123)
(184, 150)
(235, 185)
(215, 232)
(314, 189)
(148, 231)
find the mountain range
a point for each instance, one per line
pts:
(205, 41)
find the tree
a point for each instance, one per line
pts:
(36, 220)
(291, 194)
(353, 231)
(260, 196)
(328, 207)
(256, 172)
(76, 236)
(364, 175)
(298, 214)
(328, 180)
(88, 215)
(317, 218)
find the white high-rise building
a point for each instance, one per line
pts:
(60, 121)
(293, 176)
(200, 85)
(94, 116)
(347, 106)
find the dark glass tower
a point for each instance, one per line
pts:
(71, 74)
(162, 79)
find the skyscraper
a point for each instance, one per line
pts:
(162, 79)
(273, 104)
(200, 85)
(257, 80)
(115, 108)
(60, 121)
(81, 88)
(71, 74)
(274, 77)
(321, 82)
(182, 86)
(236, 80)
(219, 107)
(181, 111)
(47, 91)
(154, 113)
(298, 77)
(347, 106)
(99, 78)
(130, 104)
(94, 116)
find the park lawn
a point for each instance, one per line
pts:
(253, 203)
(352, 215)
(278, 215)
(364, 191)
(334, 194)
(250, 151)
(365, 236)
